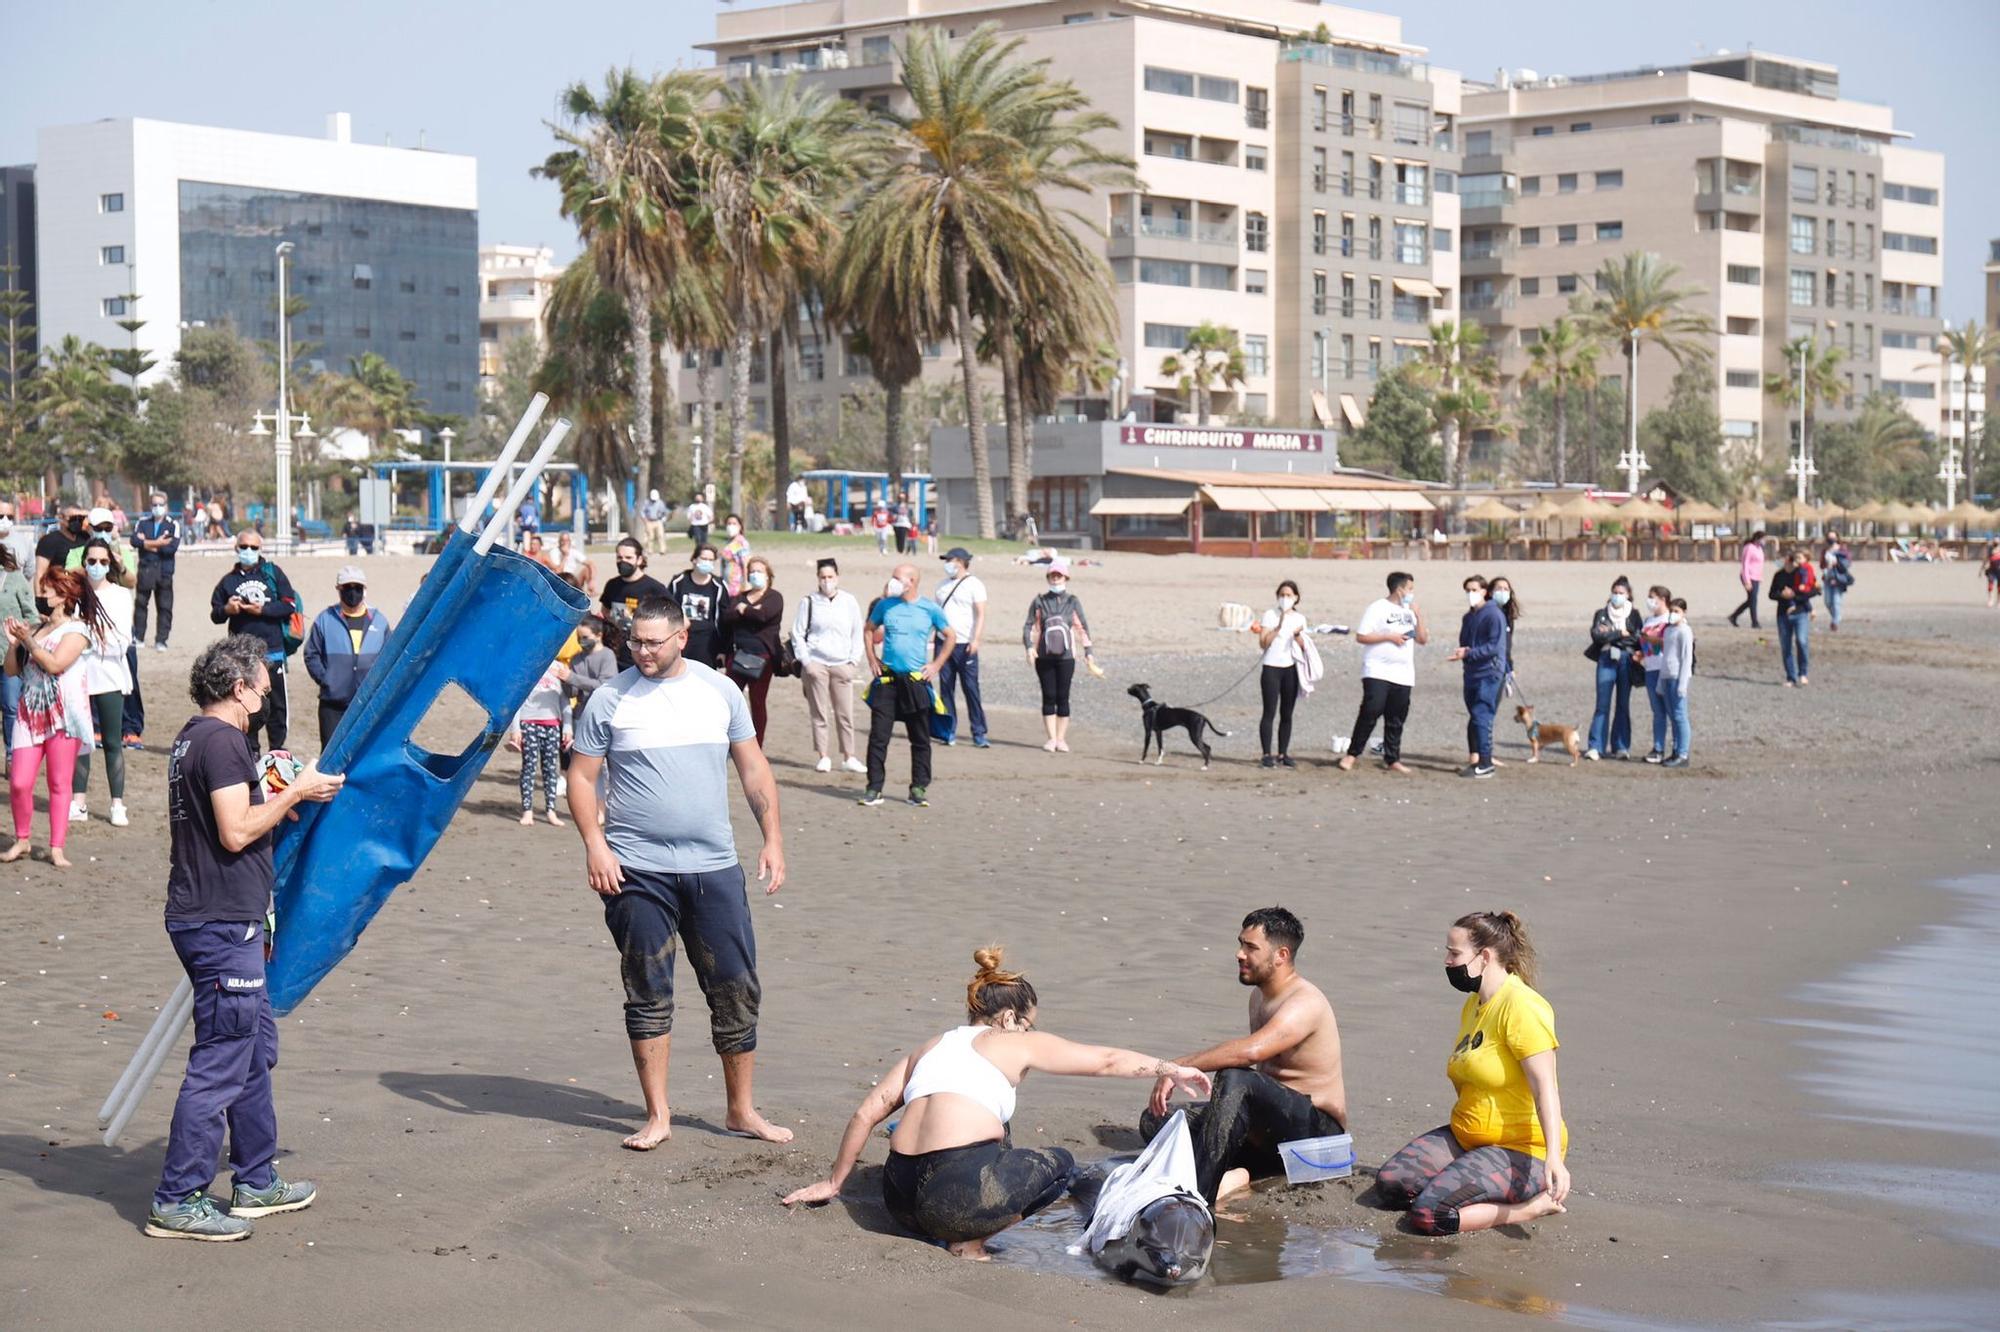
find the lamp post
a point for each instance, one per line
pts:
(281, 420)
(1951, 471)
(1633, 461)
(445, 437)
(1802, 468)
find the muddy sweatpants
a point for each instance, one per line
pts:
(710, 913)
(1247, 1115)
(971, 1192)
(1435, 1177)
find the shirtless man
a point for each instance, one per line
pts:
(1280, 1083)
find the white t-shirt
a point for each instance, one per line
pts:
(105, 670)
(1394, 662)
(699, 514)
(1288, 626)
(958, 596)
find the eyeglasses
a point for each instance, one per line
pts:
(651, 644)
(97, 564)
(249, 548)
(263, 692)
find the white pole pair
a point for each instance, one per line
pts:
(178, 1010)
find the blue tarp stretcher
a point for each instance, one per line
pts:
(485, 620)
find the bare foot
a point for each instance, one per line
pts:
(646, 1139)
(1540, 1205)
(1235, 1181)
(527, 818)
(754, 1125)
(1346, 763)
(555, 819)
(57, 858)
(972, 1249)
(1397, 766)
(16, 851)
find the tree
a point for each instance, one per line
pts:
(1563, 358)
(1399, 435)
(1683, 439)
(17, 369)
(1636, 301)
(1822, 383)
(1866, 458)
(75, 393)
(1972, 346)
(1210, 355)
(1471, 407)
(587, 372)
(373, 397)
(1454, 365)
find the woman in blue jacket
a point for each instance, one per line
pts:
(342, 647)
(1482, 646)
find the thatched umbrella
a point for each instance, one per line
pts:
(1867, 513)
(1643, 510)
(1694, 511)
(1491, 510)
(1967, 516)
(1912, 514)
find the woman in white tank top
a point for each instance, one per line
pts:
(952, 1175)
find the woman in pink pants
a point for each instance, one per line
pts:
(53, 720)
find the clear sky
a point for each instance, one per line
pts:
(481, 78)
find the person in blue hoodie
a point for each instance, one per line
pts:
(342, 647)
(1482, 639)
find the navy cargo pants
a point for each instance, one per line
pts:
(228, 1082)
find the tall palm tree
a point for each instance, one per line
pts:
(779, 154)
(72, 394)
(1564, 358)
(1822, 385)
(627, 169)
(1473, 405)
(1971, 346)
(587, 372)
(373, 397)
(1210, 355)
(1637, 301)
(1455, 360)
(1096, 369)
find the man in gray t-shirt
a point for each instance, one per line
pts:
(664, 856)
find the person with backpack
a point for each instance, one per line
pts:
(1836, 576)
(1055, 631)
(1793, 587)
(256, 598)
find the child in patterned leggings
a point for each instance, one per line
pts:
(539, 737)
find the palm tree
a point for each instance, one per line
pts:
(72, 394)
(587, 372)
(373, 397)
(1455, 360)
(627, 171)
(1971, 346)
(1823, 383)
(1471, 406)
(1636, 301)
(1210, 355)
(1096, 370)
(1564, 357)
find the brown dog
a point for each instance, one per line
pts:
(1547, 733)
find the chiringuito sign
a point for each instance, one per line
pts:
(1203, 437)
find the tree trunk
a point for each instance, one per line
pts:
(1631, 394)
(739, 410)
(639, 313)
(780, 345)
(892, 428)
(1448, 433)
(1562, 436)
(1462, 443)
(975, 419)
(665, 426)
(1017, 427)
(1590, 428)
(704, 387)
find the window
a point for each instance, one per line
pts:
(1319, 233)
(364, 277)
(111, 203)
(1253, 157)
(1542, 131)
(1805, 183)
(1172, 337)
(1531, 236)
(1178, 146)
(1566, 183)
(1478, 142)
(1441, 240)
(358, 231)
(1566, 284)
(1256, 355)
(1256, 281)
(1740, 378)
(1256, 404)
(1741, 327)
(363, 331)
(878, 50)
(1256, 233)
(1169, 81)
(1748, 275)
(1410, 242)
(1531, 286)
(812, 359)
(111, 254)
(1908, 244)
(1078, 18)
(1566, 234)
(1916, 194)
(451, 289)
(1805, 234)
(1579, 127)
(1802, 286)
(1319, 293)
(1216, 90)
(406, 335)
(1530, 186)
(1608, 231)
(114, 307)
(1319, 108)
(407, 286)
(1910, 388)
(1738, 429)
(1374, 238)
(1215, 277)
(1166, 272)
(1319, 169)
(1896, 337)
(1611, 180)
(1667, 118)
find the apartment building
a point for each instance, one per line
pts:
(1796, 213)
(1296, 190)
(515, 283)
(385, 244)
(17, 245)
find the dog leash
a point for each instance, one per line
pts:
(1255, 667)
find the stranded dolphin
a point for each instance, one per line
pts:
(1150, 1224)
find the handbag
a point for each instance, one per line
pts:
(749, 664)
(789, 665)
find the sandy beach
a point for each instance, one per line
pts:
(458, 1087)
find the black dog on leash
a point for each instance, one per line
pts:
(1159, 719)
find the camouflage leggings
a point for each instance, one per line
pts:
(1434, 1178)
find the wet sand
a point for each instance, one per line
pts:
(459, 1085)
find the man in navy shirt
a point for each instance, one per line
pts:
(1482, 637)
(901, 629)
(158, 536)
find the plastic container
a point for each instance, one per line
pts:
(1310, 1160)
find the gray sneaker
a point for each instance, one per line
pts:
(196, 1217)
(283, 1196)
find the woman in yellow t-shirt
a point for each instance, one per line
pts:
(1493, 1165)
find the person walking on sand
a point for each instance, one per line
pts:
(827, 640)
(1388, 635)
(1614, 639)
(962, 598)
(663, 856)
(1676, 674)
(52, 722)
(1836, 575)
(1278, 679)
(954, 1176)
(1750, 573)
(1054, 632)
(902, 626)
(1793, 587)
(700, 517)
(1482, 647)
(1494, 1163)
(219, 884)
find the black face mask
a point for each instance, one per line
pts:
(1461, 982)
(586, 644)
(626, 568)
(351, 597)
(76, 526)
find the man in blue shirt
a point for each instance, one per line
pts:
(158, 537)
(902, 626)
(1482, 637)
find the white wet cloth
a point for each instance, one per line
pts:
(1164, 1169)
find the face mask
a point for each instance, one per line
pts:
(1460, 981)
(351, 597)
(704, 566)
(584, 644)
(1407, 599)
(1286, 603)
(1619, 598)
(159, 510)
(1058, 587)
(6, 526)
(626, 568)
(894, 590)
(97, 573)
(1675, 618)
(1473, 596)
(955, 570)
(758, 578)
(734, 530)
(1502, 597)
(827, 585)
(1653, 605)
(248, 557)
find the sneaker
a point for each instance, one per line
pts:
(196, 1217)
(1623, 756)
(134, 742)
(870, 797)
(159, 647)
(1677, 761)
(1655, 757)
(283, 1196)
(981, 742)
(1476, 770)
(854, 765)
(825, 764)
(920, 797)
(1268, 762)
(119, 818)
(562, 786)
(1592, 755)
(79, 810)
(1285, 761)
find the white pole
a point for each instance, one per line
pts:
(284, 440)
(519, 490)
(147, 1074)
(1632, 422)
(495, 474)
(182, 995)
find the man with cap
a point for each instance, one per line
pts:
(158, 536)
(256, 598)
(101, 522)
(342, 647)
(962, 597)
(902, 625)
(653, 513)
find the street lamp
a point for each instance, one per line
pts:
(445, 437)
(283, 418)
(1951, 471)
(1802, 468)
(1633, 461)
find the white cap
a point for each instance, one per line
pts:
(350, 574)
(99, 515)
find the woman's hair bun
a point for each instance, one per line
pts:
(988, 959)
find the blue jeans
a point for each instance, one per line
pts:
(1659, 702)
(961, 668)
(1676, 701)
(1482, 700)
(1611, 724)
(1794, 637)
(10, 702)
(228, 1082)
(1833, 599)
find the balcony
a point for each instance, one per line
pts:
(1491, 250)
(1347, 57)
(1487, 300)
(1851, 300)
(1486, 199)
(1257, 117)
(1410, 312)
(1846, 250)
(1352, 367)
(1406, 192)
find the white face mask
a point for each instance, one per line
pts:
(1286, 603)
(1674, 618)
(1652, 605)
(1407, 599)
(1619, 598)
(827, 585)
(1502, 597)
(1473, 596)
(1058, 584)
(6, 526)
(734, 530)
(954, 570)
(159, 510)
(894, 591)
